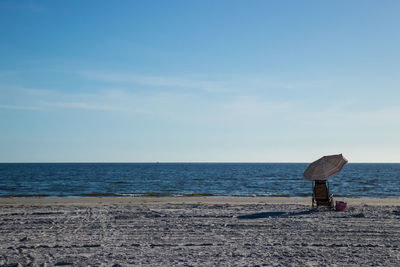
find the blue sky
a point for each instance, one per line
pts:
(215, 81)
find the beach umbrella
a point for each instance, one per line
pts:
(325, 167)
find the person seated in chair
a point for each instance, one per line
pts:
(321, 196)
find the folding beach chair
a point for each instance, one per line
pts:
(321, 196)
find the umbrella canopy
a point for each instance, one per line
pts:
(325, 167)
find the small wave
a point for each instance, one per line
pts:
(154, 194)
(198, 195)
(26, 195)
(100, 194)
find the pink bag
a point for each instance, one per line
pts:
(340, 205)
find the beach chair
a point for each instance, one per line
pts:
(321, 196)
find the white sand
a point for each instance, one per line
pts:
(197, 231)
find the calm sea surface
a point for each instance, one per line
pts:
(243, 179)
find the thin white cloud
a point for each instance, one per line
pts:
(255, 106)
(105, 100)
(158, 81)
(374, 116)
(81, 106)
(36, 91)
(108, 100)
(230, 84)
(193, 107)
(19, 107)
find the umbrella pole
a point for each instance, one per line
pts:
(312, 201)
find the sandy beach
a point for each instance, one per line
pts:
(197, 231)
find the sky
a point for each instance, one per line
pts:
(199, 81)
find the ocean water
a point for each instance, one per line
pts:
(220, 179)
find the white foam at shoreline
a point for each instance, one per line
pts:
(83, 201)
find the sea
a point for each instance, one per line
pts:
(365, 180)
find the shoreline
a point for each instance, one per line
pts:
(207, 200)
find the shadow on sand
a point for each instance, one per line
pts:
(274, 214)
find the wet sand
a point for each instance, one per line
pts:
(197, 231)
